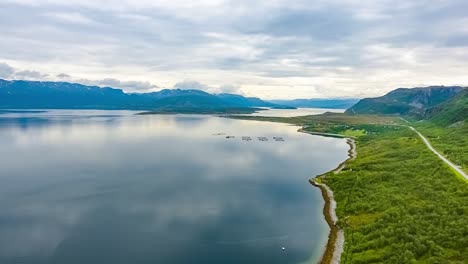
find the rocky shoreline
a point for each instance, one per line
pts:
(336, 239)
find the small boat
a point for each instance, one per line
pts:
(230, 136)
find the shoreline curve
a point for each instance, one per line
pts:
(335, 244)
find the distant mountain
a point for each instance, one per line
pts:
(405, 101)
(318, 103)
(63, 95)
(175, 92)
(451, 111)
(239, 100)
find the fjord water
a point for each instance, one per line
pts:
(294, 112)
(114, 187)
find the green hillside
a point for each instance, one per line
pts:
(403, 101)
(451, 111)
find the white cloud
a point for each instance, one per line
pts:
(6, 71)
(225, 88)
(127, 86)
(189, 85)
(73, 17)
(270, 49)
(229, 88)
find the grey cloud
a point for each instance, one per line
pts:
(63, 76)
(457, 41)
(6, 71)
(28, 75)
(320, 25)
(241, 41)
(73, 17)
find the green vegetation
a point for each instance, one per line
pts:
(451, 141)
(400, 204)
(451, 111)
(397, 202)
(403, 101)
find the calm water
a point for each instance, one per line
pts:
(112, 187)
(296, 112)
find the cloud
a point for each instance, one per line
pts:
(63, 76)
(225, 88)
(234, 89)
(271, 49)
(6, 71)
(132, 85)
(30, 75)
(74, 17)
(188, 85)
(129, 86)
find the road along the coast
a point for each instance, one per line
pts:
(444, 159)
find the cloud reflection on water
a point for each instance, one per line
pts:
(146, 189)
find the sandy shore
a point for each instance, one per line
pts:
(336, 239)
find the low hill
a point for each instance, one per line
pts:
(62, 95)
(405, 101)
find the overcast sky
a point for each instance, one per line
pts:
(271, 49)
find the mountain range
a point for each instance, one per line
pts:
(18, 94)
(442, 104)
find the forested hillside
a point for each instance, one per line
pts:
(403, 101)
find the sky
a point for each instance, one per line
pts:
(275, 49)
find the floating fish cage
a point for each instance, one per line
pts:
(247, 138)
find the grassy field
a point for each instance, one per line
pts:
(397, 202)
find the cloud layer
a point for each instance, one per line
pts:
(271, 49)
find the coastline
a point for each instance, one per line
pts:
(391, 146)
(335, 245)
(323, 134)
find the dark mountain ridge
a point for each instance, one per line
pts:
(406, 101)
(61, 95)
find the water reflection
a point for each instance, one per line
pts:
(295, 112)
(99, 187)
